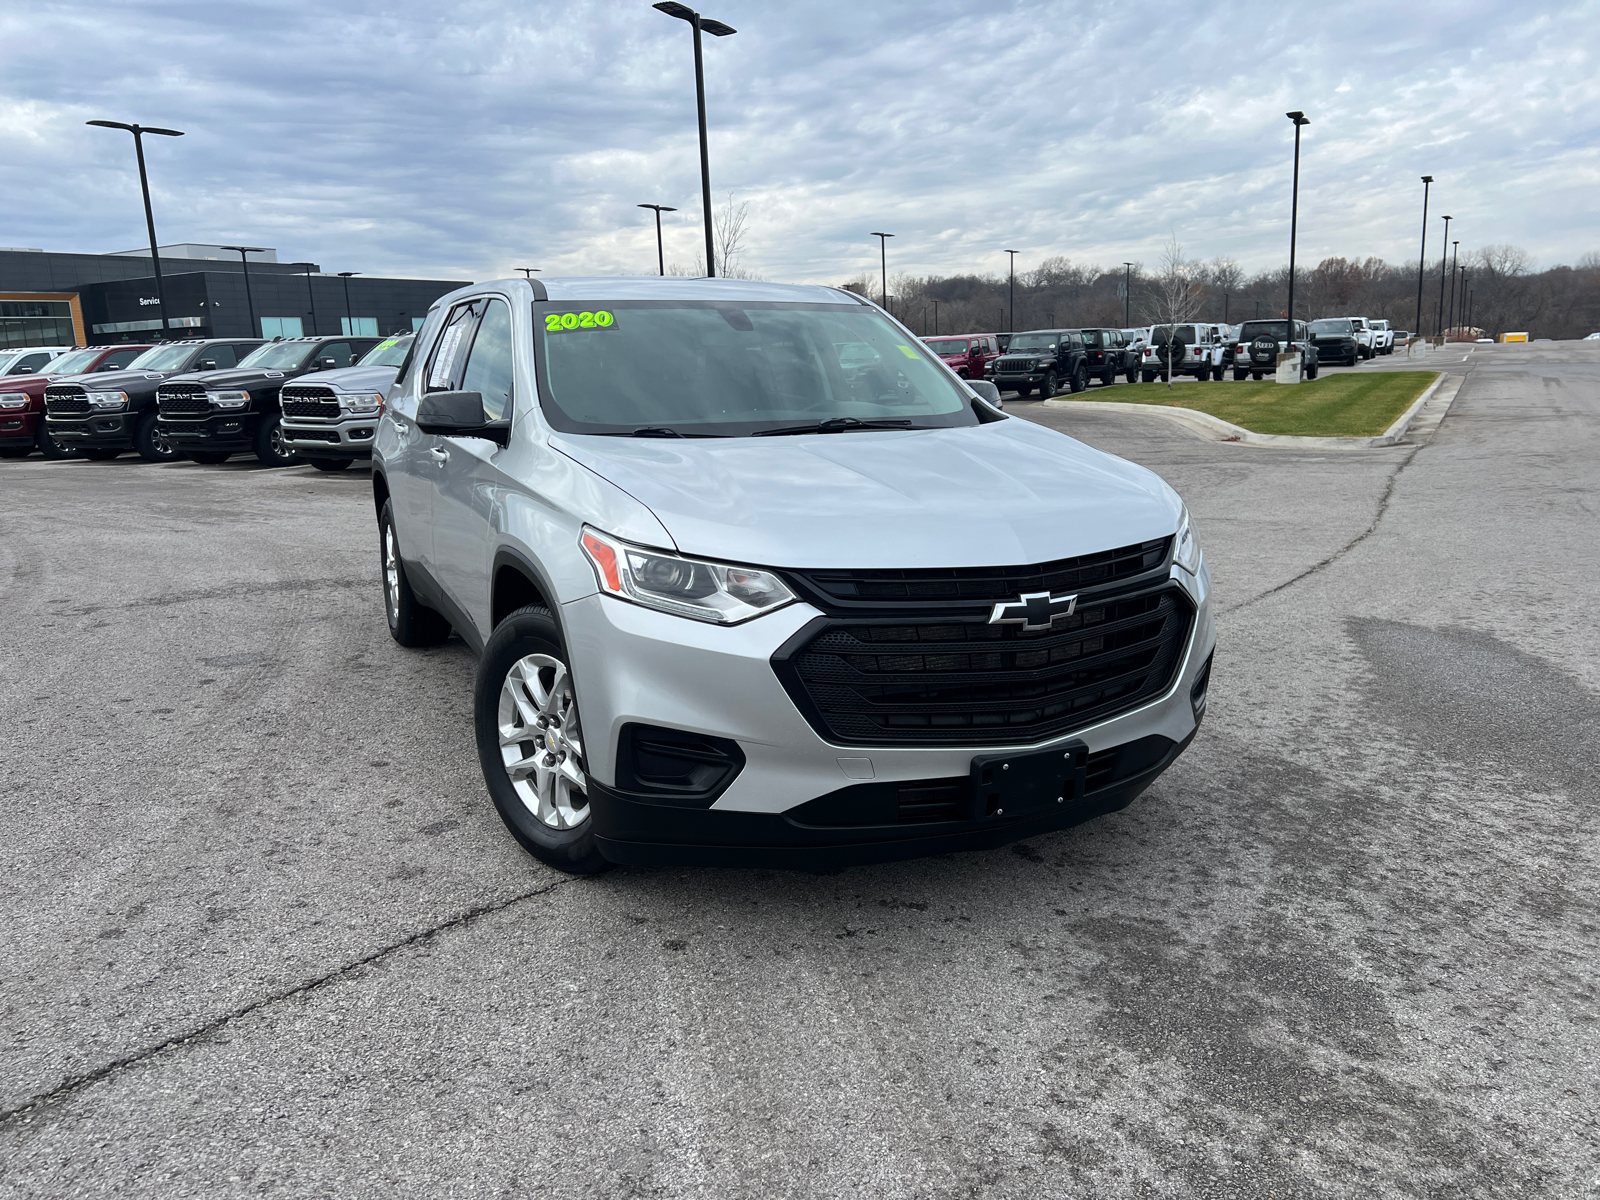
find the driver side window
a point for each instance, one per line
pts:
(490, 365)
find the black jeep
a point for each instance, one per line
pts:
(1042, 358)
(1109, 354)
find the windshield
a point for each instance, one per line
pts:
(1323, 328)
(1034, 342)
(162, 358)
(948, 345)
(74, 363)
(390, 352)
(696, 367)
(279, 356)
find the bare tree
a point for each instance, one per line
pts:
(729, 225)
(1174, 297)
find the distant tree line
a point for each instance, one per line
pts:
(1504, 292)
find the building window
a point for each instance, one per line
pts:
(272, 327)
(358, 326)
(36, 323)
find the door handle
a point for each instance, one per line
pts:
(439, 454)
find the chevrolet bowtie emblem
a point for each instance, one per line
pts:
(1035, 610)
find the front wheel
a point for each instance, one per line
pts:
(1080, 379)
(411, 622)
(1049, 387)
(270, 446)
(151, 443)
(51, 448)
(531, 745)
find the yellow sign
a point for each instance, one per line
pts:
(1513, 337)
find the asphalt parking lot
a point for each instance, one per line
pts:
(266, 935)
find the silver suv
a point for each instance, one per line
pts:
(755, 578)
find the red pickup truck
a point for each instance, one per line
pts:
(22, 429)
(968, 354)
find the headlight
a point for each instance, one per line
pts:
(686, 587)
(108, 399)
(13, 399)
(228, 399)
(362, 402)
(1186, 554)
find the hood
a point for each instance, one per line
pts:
(233, 377)
(115, 381)
(1001, 494)
(353, 379)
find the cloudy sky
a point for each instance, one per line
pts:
(462, 140)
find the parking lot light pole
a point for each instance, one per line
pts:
(1422, 258)
(138, 132)
(244, 262)
(1299, 119)
(310, 297)
(716, 29)
(883, 267)
(1011, 323)
(1127, 294)
(527, 272)
(935, 318)
(349, 321)
(1444, 263)
(1455, 265)
(661, 258)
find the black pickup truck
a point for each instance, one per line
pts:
(116, 411)
(213, 414)
(1042, 358)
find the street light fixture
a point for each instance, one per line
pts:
(1444, 262)
(1127, 294)
(1011, 322)
(245, 263)
(716, 29)
(883, 266)
(1299, 119)
(138, 132)
(349, 321)
(661, 258)
(1422, 258)
(527, 272)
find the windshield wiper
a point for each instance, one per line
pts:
(655, 431)
(837, 425)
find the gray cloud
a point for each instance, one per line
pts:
(406, 139)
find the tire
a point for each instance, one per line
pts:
(1080, 380)
(1216, 374)
(1109, 377)
(207, 458)
(1023, 391)
(411, 622)
(1311, 371)
(100, 453)
(151, 444)
(15, 451)
(1148, 376)
(525, 714)
(330, 464)
(51, 448)
(1256, 375)
(1050, 386)
(270, 447)
(1132, 376)
(1240, 376)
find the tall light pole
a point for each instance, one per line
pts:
(1011, 323)
(1422, 258)
(935, 318)
(1299, 119)
(883, 266)
(349, 321)
(1455, 265)
(138, 132)
(661, 258)
(716, 29)
(310, 297)
(244, 262)
(1444, 262)
(1224, 308)
(1127, 294)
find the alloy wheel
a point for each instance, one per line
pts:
(391, 574)
(541, 742)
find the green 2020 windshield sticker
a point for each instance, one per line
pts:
(561, 322)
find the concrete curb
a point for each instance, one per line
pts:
(1215, 429)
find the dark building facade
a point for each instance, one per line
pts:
(102, 299)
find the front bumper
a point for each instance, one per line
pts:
(221, 431)
(19, 426)
(109, 431)
(350, 438)
(634, 665)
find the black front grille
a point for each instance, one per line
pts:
(959, 680)
(310, 435)
(65, 400)
(182, 400)
(1014, 366)
(977, 587)
(319, 402)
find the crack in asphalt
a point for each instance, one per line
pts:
(218, 593)
(74, 1084)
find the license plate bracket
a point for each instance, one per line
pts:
(1018, 784)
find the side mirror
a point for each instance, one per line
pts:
(327, 363)
(208, 364)
(987, 391)
(459, 414)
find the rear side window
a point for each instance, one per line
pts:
(489, 366)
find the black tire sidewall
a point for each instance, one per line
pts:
(263, 442)
(411, 623)
(51, 448)
(144, 442)
(530, 630)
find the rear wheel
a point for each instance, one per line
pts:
(1148, 376)
(100, 453)
(1132, 376)
(1311, 371)
(330, 464)
(270, 446)
(1109, 376)
(411, 622)
(530, 742)
(1240, 376)
(1256, 375)
(151, 443)
(209, 458)
(1216, 373)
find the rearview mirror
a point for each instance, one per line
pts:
(986, 391)
(459, 414)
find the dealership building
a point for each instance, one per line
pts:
(49, 299)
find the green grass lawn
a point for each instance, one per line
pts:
(1334, 406)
